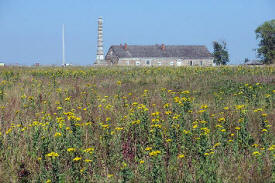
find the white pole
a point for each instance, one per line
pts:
(63, 45)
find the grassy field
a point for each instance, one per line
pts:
(185, 124)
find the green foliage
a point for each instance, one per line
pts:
(266, 34)
(221, 56)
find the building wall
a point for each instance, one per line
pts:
(164, 62)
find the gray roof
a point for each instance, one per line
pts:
(151, 51)
(253, 62)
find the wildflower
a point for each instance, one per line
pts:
(223, 130)
(154, 153)
(264, 130)
(232, 134)
(237, 128)
(257, 110)
(110, 175)
(118, 82)
(180, 156)
(195, 126)
(166, 105)
(52, 154)
(48, 181)
(88, 160)
(226, 108)
(68, 99)
(186, 132)
(168, 112)
(256, 153)
(217, 144)
(271, 148)
(71, 149)
(59, 108)
(77, 158)
(230, 140)
(255, 145)
(203, 122)
(118, 128)
(218, 126)
(239, 106)
(105, 126)
(206, 154)
(148, 148)
(241, 120)
(141, 161)
(89, 150)
(264, 115)
(57, 134)
(156, 126)
(204, 107)
(221, 119)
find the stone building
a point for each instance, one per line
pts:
(158, 55)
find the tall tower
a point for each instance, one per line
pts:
(100, 53)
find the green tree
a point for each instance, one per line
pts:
(221, 56)
(266, 34)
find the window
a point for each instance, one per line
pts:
(200, 62)
(137, 63)
(148, 62)
(191, 63)
(171, 63)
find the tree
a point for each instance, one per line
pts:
(220, 53)
(246, 60)
(266, 34)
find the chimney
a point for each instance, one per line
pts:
(162, 47)
(125, 46)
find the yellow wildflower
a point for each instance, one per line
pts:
(256, 153)
(141, 161)
(110, 175)
(77, 158)
(57, 134)
(195, 126)
(154, 153)
(88, 160)
(52, 154)
(181, 156)
(71, 149)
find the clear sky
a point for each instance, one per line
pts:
(30, 30)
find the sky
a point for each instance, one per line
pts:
(31, 30)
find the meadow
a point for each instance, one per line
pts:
(151, 124)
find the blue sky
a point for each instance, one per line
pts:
(30, 30)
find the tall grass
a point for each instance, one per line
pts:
(185, 124)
